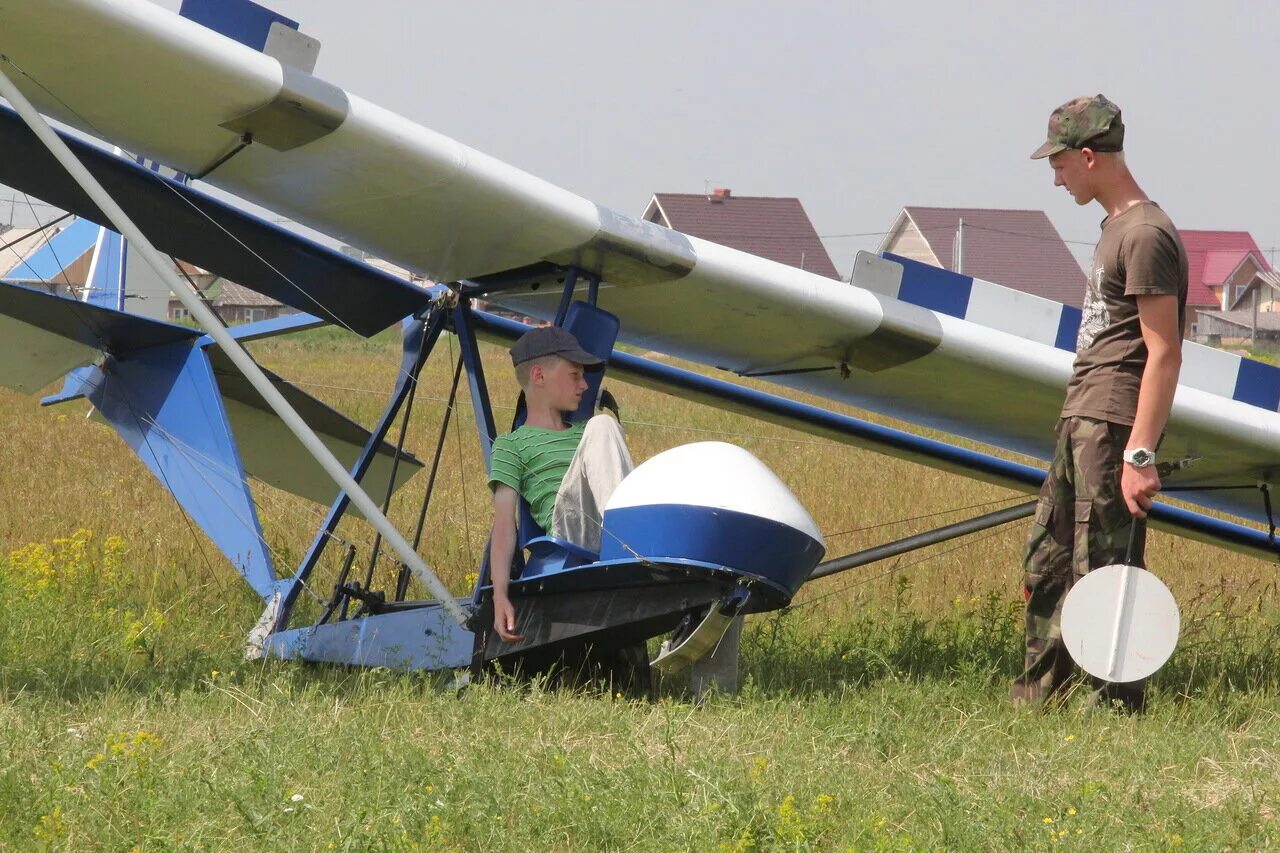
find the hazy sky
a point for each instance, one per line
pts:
(856, 108)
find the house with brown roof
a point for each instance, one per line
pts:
(771, 227)
(1243, 327)
(232, 302)
(1221, 265)
(1261, 293)
(1016, 248)
(21, 244)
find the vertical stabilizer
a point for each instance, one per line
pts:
(105, 284)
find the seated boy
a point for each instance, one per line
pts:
(565, 471)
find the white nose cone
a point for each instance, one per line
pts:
(715, 503)
(715, 475)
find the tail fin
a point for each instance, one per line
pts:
(191, 418)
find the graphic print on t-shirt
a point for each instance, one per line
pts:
(1094, 316)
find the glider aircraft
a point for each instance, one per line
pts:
(223, 95)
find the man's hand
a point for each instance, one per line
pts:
(504, 620)
(1139, 487)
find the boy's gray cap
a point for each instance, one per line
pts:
(552, 340)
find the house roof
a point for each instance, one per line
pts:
(25, 241)
(1267, 320)
(1269, 279)
(232, 294)
(1016, 248)
(773, 228)
(191, 269)
(1212, 256)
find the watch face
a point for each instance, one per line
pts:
(1141, 458)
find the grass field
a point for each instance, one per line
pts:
(873, 715)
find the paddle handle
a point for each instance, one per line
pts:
(1134, 528)
(1122, 602)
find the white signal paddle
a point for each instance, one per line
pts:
(1120, 622)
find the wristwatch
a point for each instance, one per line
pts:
(1140, 457)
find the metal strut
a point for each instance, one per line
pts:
(924, 540)
(419, 339)
(402, 582)
(395, 463)
(1265, 488)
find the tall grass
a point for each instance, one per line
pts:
(872, 715)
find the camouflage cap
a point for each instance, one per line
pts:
(1092, 123)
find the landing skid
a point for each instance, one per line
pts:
(682, 650)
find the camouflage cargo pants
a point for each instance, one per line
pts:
(1081, 523)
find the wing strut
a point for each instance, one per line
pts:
(209, 321)
(923, 540)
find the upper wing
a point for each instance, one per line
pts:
(168, 88)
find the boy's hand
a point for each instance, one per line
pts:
(504, 620)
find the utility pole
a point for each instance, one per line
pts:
(957, 249)
(1253, 328)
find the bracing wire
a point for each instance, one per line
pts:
(41, 227)
(922, 517)
(62, 269)
(38, 229)
(896, 568)
(395, 465)
(462, 477)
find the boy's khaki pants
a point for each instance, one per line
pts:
(598, 466)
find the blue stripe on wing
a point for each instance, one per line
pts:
(1253, 382)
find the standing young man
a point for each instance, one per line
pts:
(1128, 354)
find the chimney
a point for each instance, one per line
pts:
(718, 195)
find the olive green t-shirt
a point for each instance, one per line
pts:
(533, 461)
(1139, 254)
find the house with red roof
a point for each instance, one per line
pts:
(771, 227)
(1016, 248)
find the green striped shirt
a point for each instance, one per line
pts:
(533, 461)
